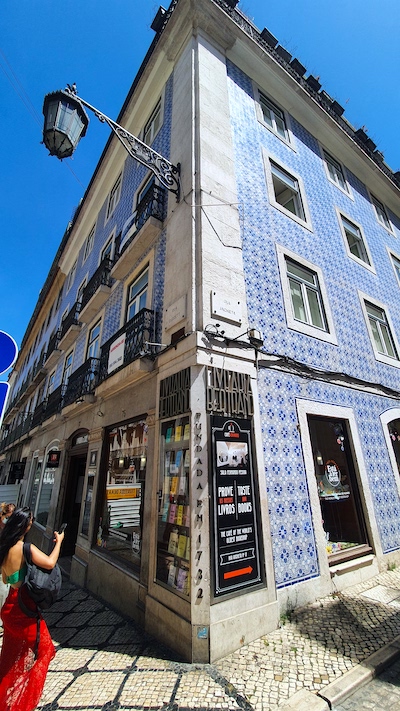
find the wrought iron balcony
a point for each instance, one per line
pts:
(137, 331)
(20, 428)
(54, 402)
(147, 219)
(71, 319)
(82, 382)
(39, 414)
(52, 347)
(96, 291)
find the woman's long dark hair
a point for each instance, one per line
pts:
(15, 528)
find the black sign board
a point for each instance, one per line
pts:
(235, 512)
(53, 459)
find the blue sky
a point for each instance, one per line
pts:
(352, 46)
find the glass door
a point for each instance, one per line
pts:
(341, 510)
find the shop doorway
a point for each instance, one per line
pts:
(394, 433)
(73, 493)
(339, 496)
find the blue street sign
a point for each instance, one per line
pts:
(8, 356)
(8, 351)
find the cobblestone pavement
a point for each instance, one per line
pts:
(104, 662)
(380, 694)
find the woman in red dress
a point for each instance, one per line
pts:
(23, 668)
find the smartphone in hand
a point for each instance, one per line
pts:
(63, 527)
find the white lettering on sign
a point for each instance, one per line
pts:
(116, 354)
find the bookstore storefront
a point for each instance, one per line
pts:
(210, 565)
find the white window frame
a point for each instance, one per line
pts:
(383, 219)
(71, 275)
(63, 316)
(343, 216)
(50, 383)
(150, 130)
(328, 158)
(59, 299)
(395, 260)
(329, 336)
(88, 344)
(382, 357)
(114, 197)
(109, 243)
(79, 291)
(149, 180)
(89, 242)
(145, 269)
(269, 162)
(260, 97)
(67, 369)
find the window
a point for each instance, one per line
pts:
(396, 266)
(63, 317)
(380, 330)
(71, 276)
(93, 341)
(381, 213)
(145, 188)
(59, 297)
(273, 116)
(120, 524)
(335, 172)
(137, 295)
(153, 125)
(114, 196)
(80, 291)
(49, 315)
(286, 192)
(50, 384)
(108, 250)
(89, 243)
(67, 368)
(306, 295)
(354, 241)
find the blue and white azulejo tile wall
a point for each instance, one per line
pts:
(322, 244)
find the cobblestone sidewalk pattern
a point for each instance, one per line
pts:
(104, 662)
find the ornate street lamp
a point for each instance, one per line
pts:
(66, 121)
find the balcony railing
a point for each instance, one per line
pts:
(21, 427)
(53, 344)
(101, 277)
(71, 319)
(54, 402)
(137, 331)
(39, 414)
(153, 204)
(82, 382)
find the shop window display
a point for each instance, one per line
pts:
(339, 497)
(173, 544)
(119, 529)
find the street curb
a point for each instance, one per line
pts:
(355, 678)
(336, 691)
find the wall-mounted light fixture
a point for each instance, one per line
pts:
(66, 122)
